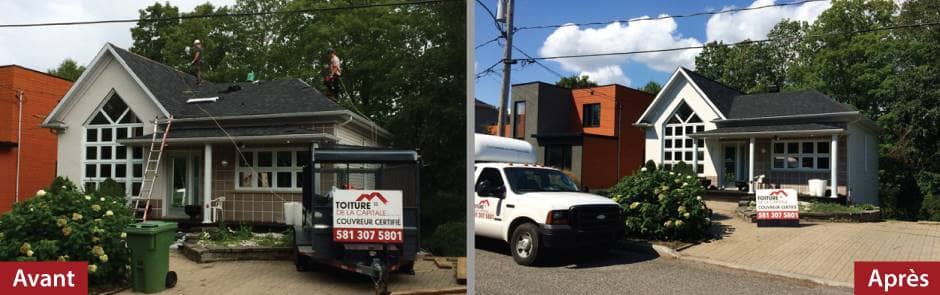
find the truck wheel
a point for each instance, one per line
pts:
(525, 244)
(301, 262)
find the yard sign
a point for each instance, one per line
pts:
(367, 216)
(777, 207)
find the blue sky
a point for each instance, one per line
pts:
(633, 71)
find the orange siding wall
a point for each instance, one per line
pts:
(597, 162)
(41, 93)
(603, 95)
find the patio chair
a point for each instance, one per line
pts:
(216, 209)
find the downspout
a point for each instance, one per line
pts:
(19, 142)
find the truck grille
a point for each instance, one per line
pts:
(595, 217)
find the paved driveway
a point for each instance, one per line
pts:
(280, 277)
(817, 250)
(624, 273)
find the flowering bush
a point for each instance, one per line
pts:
(61, 223)
(663, 204)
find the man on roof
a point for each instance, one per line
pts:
(332, 79)
(196, 64)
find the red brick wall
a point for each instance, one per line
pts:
(38, 159)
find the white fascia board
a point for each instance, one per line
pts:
(90, 70)
(659, 96)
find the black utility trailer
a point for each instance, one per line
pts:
(362, 168)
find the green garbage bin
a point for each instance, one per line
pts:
(149, 243)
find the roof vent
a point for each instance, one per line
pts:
(202, 99)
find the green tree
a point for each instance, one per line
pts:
(652, 87)
(575, 82)
(68, 69)
(150, 36)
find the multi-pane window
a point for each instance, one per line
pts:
(105, 158)
(678, 146)
(801, 155)
(271, 169)
(592, 115)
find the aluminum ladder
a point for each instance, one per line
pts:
(151, 169)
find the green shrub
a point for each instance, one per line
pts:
(110, 188)
(900, 195)
(449, 239)
(663, 204)
(61, 223)
(929, 184)
(650, 165)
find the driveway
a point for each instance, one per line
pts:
(821, 251)
(280, 277)
(624, 273)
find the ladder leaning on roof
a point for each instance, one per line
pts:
(151, 170)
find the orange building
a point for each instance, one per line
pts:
(587, 131)
(26, 97)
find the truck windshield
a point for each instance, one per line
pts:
(525, 180)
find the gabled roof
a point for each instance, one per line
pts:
(173, 88)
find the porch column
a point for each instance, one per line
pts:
(833, 166)
(695, 156)
(750, 165)
(207, 184)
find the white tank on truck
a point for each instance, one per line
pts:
(534, 208)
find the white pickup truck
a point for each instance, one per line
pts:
(536, 208)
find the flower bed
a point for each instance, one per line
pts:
(227, 244)
(829, 212)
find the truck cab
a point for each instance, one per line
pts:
(536, 208)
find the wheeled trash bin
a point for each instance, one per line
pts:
(149, 243)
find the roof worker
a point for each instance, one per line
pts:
(196, 64)
(332, 79)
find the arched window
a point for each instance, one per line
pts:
(677, 145)
(105, 158)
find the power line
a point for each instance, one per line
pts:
(668, 16)
(492, 15)
(733, 44)
(538, 62)
(218, 15)
(487, 42)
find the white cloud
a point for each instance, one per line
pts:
(620, 37)
(607, 75)
(755, 24)
(42, 48)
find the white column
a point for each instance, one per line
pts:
(833, 166)
(695, 156)
(750, 165)
(207, 184)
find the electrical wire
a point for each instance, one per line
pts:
(488, 42)
(669, 16)
(218, 15)
(849, 34)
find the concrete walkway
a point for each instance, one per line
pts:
(816, 251)
(280, 277)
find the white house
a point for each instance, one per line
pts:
(788, 137)
(106, 120)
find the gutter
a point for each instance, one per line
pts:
(818, 131)
(238, 138)
(642, 125)
(856, 113)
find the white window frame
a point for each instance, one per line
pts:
(129, 180)
(799, 155)
(674, 137)
(295, 168)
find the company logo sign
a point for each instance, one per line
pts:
(372, 196)
(368, 216)
(43, 278)
(897, 277)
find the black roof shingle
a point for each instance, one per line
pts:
(172, 88)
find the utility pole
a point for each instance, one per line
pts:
(507, 67)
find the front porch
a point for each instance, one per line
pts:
(778, 157)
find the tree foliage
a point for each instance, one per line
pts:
(576, 82)
(652, 87)
(68, 69)
(403, 66)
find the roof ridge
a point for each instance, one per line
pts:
(154, 62)
(687, 70)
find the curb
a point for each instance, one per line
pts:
(817, 280)
(454, 290)
(665, 251)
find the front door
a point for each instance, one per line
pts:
(487, 211)
(184, 173)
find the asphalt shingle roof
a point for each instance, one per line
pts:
(722, 96)
(173, 88)
(805, 102)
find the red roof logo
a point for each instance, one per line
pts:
(779, 192)
(372, 196)
(484, 203)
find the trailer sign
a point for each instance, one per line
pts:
(364, 216)
(777, 207)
